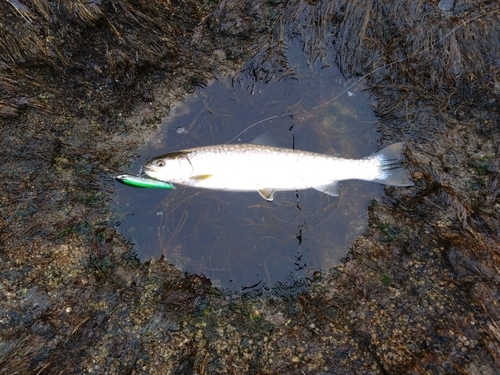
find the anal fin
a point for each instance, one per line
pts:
(267, 193)
(330, 189)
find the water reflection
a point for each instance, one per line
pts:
(238, 240)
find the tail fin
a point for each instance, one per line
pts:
(391, 172)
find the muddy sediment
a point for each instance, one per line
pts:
(84, 84)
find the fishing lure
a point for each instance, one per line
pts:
(142, 182)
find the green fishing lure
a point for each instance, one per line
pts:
(143, 182)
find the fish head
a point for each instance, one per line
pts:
(171, 167)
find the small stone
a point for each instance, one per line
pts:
(446, 4)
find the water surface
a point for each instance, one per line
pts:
(239, 240)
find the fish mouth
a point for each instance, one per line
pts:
(154, 173)
(150, 171)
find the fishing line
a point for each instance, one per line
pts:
(463, 24)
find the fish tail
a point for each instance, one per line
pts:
(391, 172)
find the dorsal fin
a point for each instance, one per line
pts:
(265, 139)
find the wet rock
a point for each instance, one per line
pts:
(73, 302)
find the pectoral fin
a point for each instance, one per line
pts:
(267, 194)
(330, 189)
(200, 177)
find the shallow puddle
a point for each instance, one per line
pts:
(238, 240)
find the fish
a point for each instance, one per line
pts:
(142, 182)
(266, 168)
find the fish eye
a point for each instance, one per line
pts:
(160, 163)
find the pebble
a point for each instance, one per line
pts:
(446, 4)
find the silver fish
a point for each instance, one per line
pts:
(266, 169)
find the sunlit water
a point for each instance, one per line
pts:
(239, 240)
